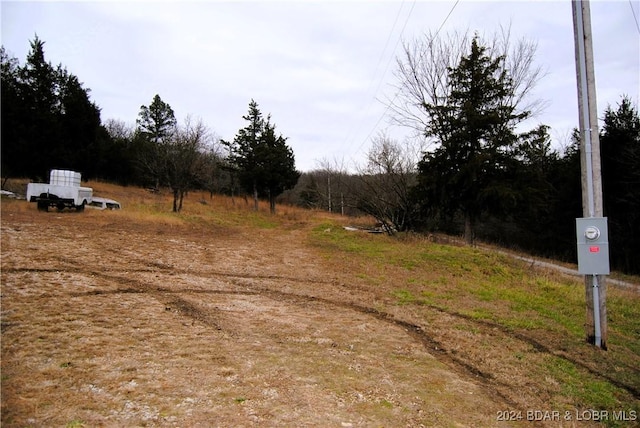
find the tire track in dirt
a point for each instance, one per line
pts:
(439, 349)
(162, 294)
(433, 345)
(416, 332)
(430, 343)
(188, 309)
(172, 302)
(168, 298)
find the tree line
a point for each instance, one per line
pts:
(483, 177)
(49, 121)
(471, 169)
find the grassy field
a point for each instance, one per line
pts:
(383, 325)
(481, 290)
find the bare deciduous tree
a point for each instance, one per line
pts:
(386, 182)
(119, 129)
(331, 185)
(184, 160)
(215, 176)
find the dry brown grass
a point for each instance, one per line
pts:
(219, 316)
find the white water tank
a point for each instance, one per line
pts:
(61, 177)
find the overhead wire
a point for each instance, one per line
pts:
(391, 57)
(377, 67)
(633, 12)
(384, 113)
(447, 18)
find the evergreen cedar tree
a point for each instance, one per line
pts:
(264, 162)
(156, 125)
(48, 120)
(468, 172)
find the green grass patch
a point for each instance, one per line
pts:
(492, 287)
(447, 272)
(624, 318)
(581, 388)
(467, 327)
(331, 236)
(404, 297)
(482, 314)
(430, 297)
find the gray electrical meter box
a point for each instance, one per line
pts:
(593, 246)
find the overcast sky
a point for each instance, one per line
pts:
(319, 68)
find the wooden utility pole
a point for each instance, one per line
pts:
(592, 206)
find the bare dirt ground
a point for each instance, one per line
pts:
(110, 321)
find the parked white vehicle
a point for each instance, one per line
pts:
(62, 191)
(104, 204)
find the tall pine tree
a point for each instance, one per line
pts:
(157, 122)
(14, 118)
(48, 120)
(155, 126)
(41, 136)
(278, 166)
(466, 174)
(266, 165)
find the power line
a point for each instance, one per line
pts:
(384, 113)
(396, 46)
(406, 21)
(386, 44)
(447, 18)
(377, 67)
(633, 12)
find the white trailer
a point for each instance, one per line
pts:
(62, 191)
